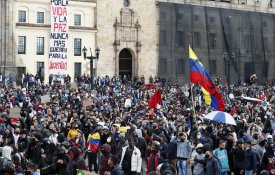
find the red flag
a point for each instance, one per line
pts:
(155, 99)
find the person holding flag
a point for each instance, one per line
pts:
(199, 75)
(155, 99)
(93, 146)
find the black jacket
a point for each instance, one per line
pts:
(238, 157)
(172, 151)
(250, 160)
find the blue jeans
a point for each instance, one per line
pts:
(224, 173)
(182, 167)
(248, 172)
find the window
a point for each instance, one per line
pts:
(247, 43)
(196, 17)
(179, 16)
(180, 66)
(77, 47)
(162, 40)
(40, 17)
(40, 68)
(228, 20)
(264, 24)
(40, 45)
(197, 38)
(77, 69)
(213, 40)
(213, 67)
(162, 15)
(21, 44)
(180, 38)
(212, 19)
(162, 66)
(22, 16)
(77, 20)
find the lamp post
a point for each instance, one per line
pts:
(91, 58)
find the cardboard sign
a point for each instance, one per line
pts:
(87, 102)
(84, 172)
(24, 91)
(59, 38)
(128, 103)
(45, 99)
(73, 85)
(15, 112)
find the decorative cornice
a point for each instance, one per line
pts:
(91, 1)
(48, 26)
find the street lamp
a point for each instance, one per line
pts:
(91, 58)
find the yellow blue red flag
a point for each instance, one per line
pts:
(199, 75)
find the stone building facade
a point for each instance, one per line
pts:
(233, 39)
(7, 56)
(128, 32)
(147, 37)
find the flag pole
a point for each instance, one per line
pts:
(193, 106)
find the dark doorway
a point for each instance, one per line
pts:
(125, 63)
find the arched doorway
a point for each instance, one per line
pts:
(125, 63)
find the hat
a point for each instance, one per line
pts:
(261, 139)
(240, 141)
(247, 139)
(100, 123)
(199, 146)
(105, 127)
(269, 137)
(116, 125)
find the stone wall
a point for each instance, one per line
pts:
(144, 61)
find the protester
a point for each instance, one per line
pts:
(75, 124)
(130, 158)
(213, 166)
(184, 151)
(222, 156)
(250, 158)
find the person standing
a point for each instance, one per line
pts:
(198, 166)
(184, 151)
(221, 154)
(131, 158)
(213, 166)
(115, 168)
(238, 157)
(250, 158)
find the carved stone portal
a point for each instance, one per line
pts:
(126, 33)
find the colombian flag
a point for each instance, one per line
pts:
(93, 142)
(199, 75)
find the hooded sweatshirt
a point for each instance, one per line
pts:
(106, 150)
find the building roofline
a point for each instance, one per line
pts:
(48, 26)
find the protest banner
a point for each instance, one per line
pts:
(45, 98)
(58, 37)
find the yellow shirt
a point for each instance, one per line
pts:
(123, 129)
(72, 134)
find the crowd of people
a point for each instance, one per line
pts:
(111, 131)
